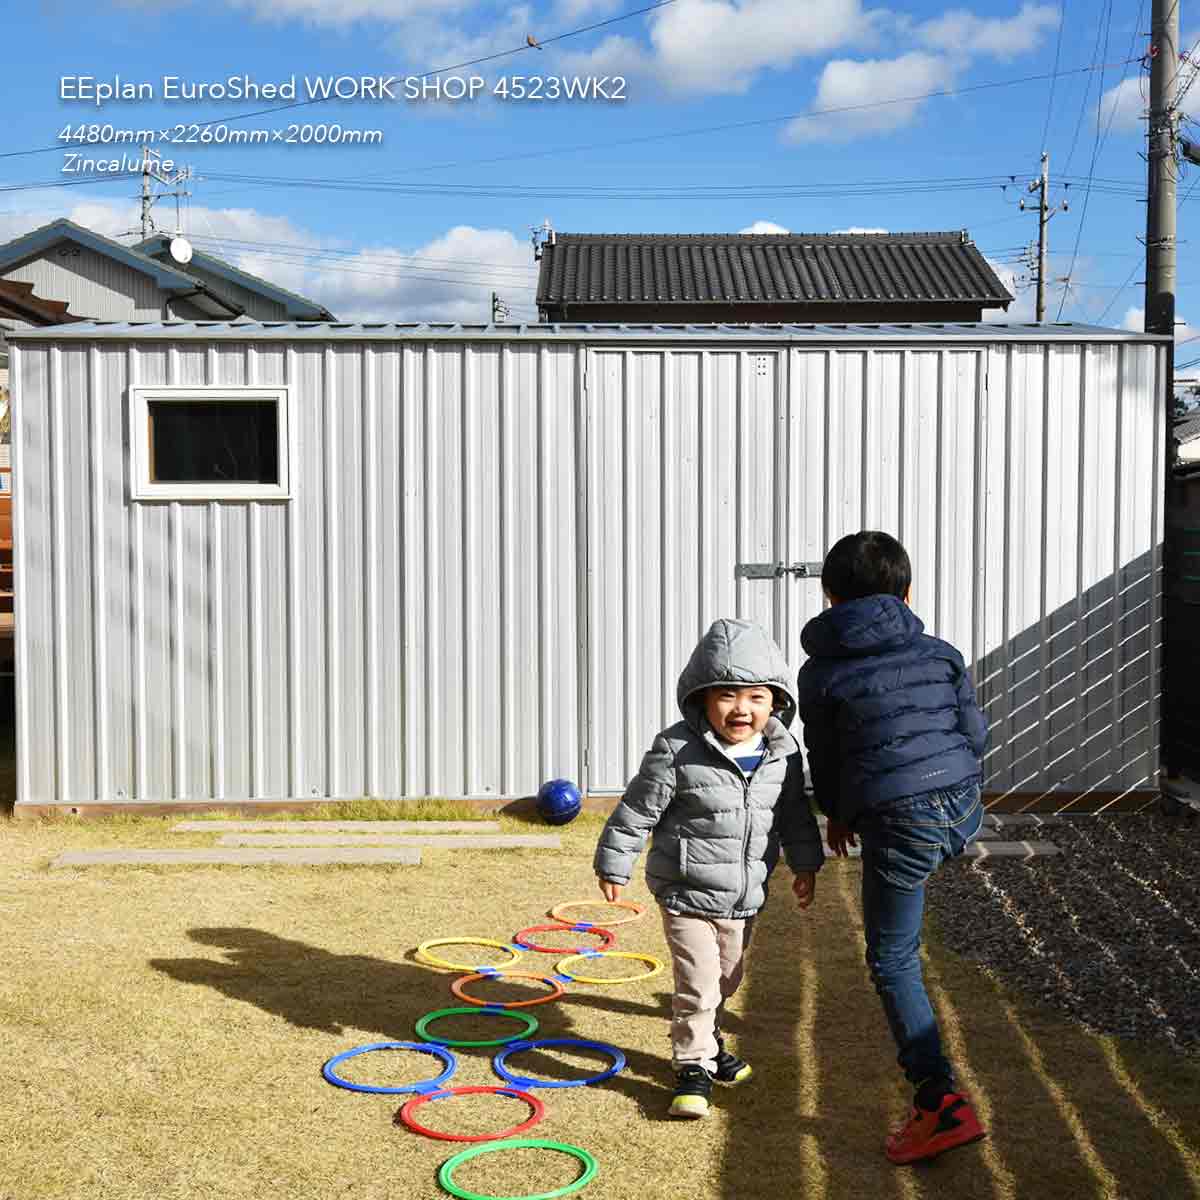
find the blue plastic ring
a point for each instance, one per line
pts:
(451, 1064)
(524, 1081)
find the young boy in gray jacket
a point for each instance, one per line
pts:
(720, 792)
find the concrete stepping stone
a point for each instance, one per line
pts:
(988, 848)
(251, 826)
(1012, 850)
(304, 856)
(445, 841)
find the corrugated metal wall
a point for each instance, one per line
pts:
(492, 569)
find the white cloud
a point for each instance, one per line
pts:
(447, 279)
(1135, 320)
(860, 229)
(962, 32)
(1124, 105)
(450, 280)
(764, 227)
(345, 12)
(888, 86)
(850, 84)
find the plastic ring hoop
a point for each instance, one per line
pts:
(434, 961)
(424, 1085)
(635, 911)
(457, 989)
(656, 966)
(405, 1115)
(446, 1174)
(524, 1081)
(429, 1018)
(521, 940)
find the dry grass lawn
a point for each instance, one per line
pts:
(164, 1029)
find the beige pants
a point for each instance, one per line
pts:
(708, 956)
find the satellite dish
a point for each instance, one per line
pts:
(181, 250)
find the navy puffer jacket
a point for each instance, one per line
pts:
(888, 712)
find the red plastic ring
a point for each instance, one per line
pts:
(519, 939)
(457, 988)
(404, 1114)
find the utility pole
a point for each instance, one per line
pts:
(147, 198)
(1041, 185)
(1043, 188)
(1160, 311)
(1160, 170)
(500, 310)
(152, 174)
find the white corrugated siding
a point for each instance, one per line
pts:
(491, 572)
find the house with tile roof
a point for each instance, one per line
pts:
(790, 278)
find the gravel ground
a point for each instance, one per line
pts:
(1108, 932)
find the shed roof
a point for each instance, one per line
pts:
(971, 332)
(724, 268)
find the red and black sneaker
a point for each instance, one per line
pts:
(926, 1134)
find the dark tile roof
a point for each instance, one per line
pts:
(1187, 429)
(766, 268)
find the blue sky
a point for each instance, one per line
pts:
(431, 222)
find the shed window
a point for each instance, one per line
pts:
(209, 443)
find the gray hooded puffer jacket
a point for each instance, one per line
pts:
(716, 834)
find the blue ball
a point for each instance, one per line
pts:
(558, 801)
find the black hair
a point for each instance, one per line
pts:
(869, 563)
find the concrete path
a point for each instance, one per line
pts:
(217, 857)
(445, 841)
(336, 826)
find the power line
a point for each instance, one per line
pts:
(1087, 91)
(1087, 195)
(1062, 20)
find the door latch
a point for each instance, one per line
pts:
(776, 570)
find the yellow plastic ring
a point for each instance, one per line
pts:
(635, 911)
(656, 966)
(434, 961)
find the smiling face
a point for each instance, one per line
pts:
(738, 713)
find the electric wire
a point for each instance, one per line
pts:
(1087, 195)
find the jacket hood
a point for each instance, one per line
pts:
(739, 653)
(859, 627)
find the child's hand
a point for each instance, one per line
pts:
(611, 891)
(840, 837)
(804, 888)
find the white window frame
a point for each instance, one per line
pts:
(142, 487)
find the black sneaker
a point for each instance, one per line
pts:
(730, 1068)
(693, 1086)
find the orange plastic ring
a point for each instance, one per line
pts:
(632, 907)
(457, 988)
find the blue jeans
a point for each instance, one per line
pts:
(901, 847)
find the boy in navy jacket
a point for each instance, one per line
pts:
(894, 739)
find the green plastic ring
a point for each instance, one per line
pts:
(428, 1019)
(446, 1174)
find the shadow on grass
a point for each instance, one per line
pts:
(1063, 1121)
(316, 989)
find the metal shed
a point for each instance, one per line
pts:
(489, 549)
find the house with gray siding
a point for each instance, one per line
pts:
(101, 279)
